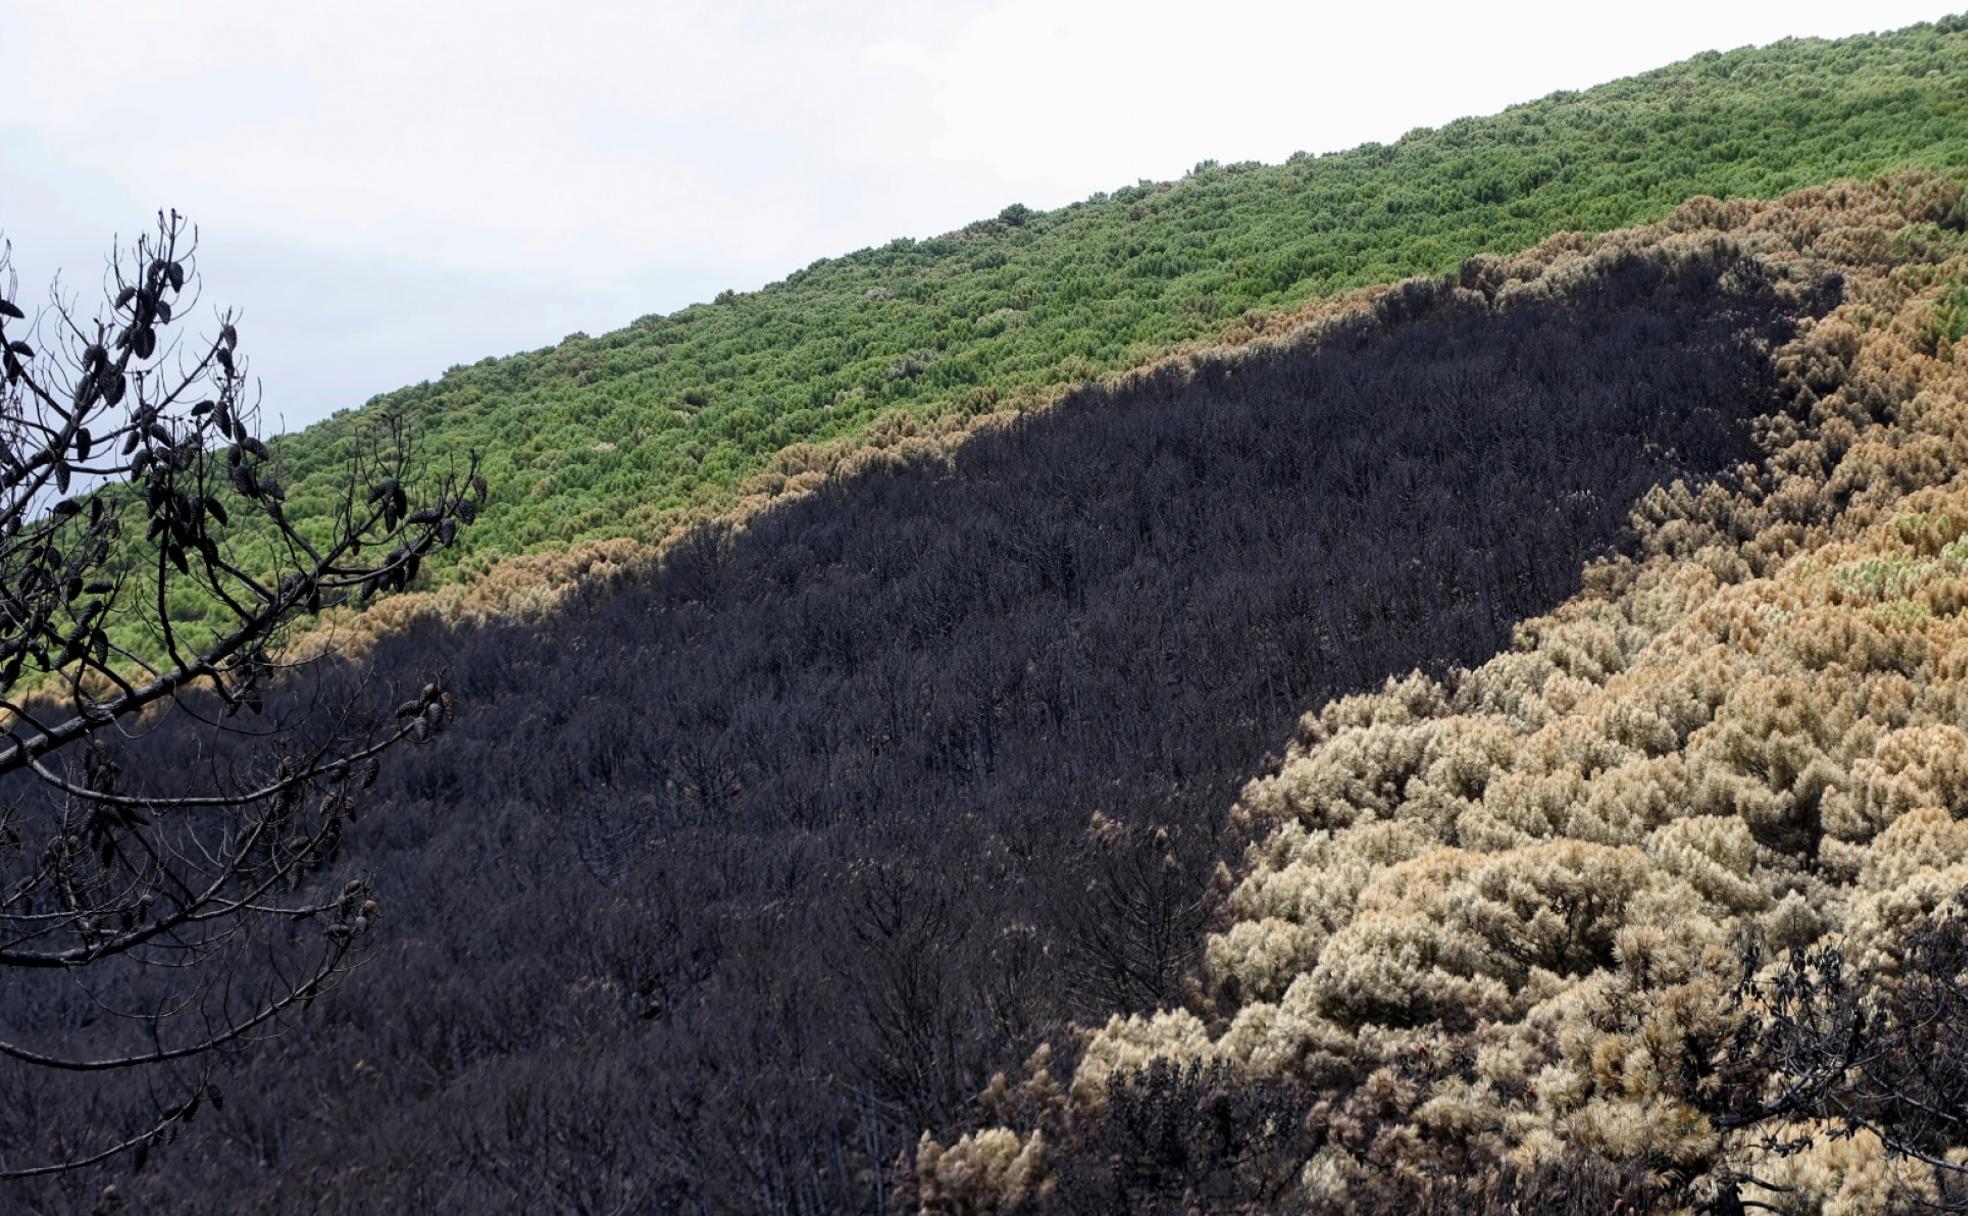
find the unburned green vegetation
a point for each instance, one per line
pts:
(624, 434)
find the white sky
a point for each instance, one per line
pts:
(387, 189)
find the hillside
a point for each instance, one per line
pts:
(618, 435)
(735, 876)
(1370, 685)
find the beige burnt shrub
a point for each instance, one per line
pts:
(1687, 681)
(1588, 739)
(1458, 761)
(1509, 687)
(1330, 1180)
(1877, 926)
(1588, 650)
(1465, 754)
(1554, 906)
(1839, 1175)
(1925, 839)
(1402, 702)
(1665, 944)
(1630, 1037)
(1403, 971)
(1629, 725)
(1664, 593)
(1521, 808)
(1682, 523)
(1718, 856)
(1703, 213)
(1314, 877)
(991, 1170)
(1421, 885)
(1799, 919)
(523, 587)
(1386, 843)
(1895, 772)
(1927, 533)
(1313, 886)
(1002, 1098)
(1258, 959)
(1125, 1044)
(1290, 1038)
(1914, 767)
(1626, 803)
(1358, 772)
(1643, 1128)
(1768, 758)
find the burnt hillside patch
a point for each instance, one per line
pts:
(731, 880)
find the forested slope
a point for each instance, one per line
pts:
(736, 876)
(613, 436)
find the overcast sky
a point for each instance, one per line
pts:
(387, 189)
